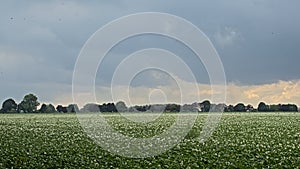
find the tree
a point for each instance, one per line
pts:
(47, 108)
(157, 108)
(137, 108)
(29, 104)
(109, 107)
(43, 108)
(217, 107)
(262, 107)
(90, 107)
(9, 106)
(240, 107)
(72, 108)
(289, 108)
(250, 108)
(121, 107)
(51, 108)
(275, 108)
(172, 108)
(61, 109)
(229, 108)
(293, 108)
(205, 106)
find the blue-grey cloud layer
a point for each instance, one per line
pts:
(258, 41)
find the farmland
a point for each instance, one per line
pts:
(242, 140)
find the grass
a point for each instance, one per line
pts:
(242, 140)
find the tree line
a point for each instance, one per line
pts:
(30, 104)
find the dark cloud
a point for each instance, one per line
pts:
(40, 40)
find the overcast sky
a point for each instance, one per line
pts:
(257, 40)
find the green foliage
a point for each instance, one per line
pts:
(256, 140)
(9, 106)
(229, 108)
(121, 106)
(274, 108)
(205, 106)
(61, 109)
(262, 107)
(240, 107)
(107, 107)
(47, 108)
(72, 108)
(91, 107)
(29, 104)
(172, 108)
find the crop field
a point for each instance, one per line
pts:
(241, 140)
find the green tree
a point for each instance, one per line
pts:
(61, 109)
(72, 108)
(47, 108)
(92, 107)
(121, 107)
(9, 106)
(289, 108)
(205, 106)
(262, 107)
(229, 108)
(43, 108)
(274, 108)
(250, 108)
(29, 104)
(172, 108)
(240, 107)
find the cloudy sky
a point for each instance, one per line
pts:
(257, 41)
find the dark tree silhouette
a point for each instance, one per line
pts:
(109, 107)
(172, 108)
(29, 104)
(229, 108)
(121, 106)
(47, 108)
(61, 109)
(90, 107)
(205, 106)
(262, 107)
(9, 106)
(240, 107)
(72, 108)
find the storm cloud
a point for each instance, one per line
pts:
(258, 43)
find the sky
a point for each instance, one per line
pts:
(257, 42)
